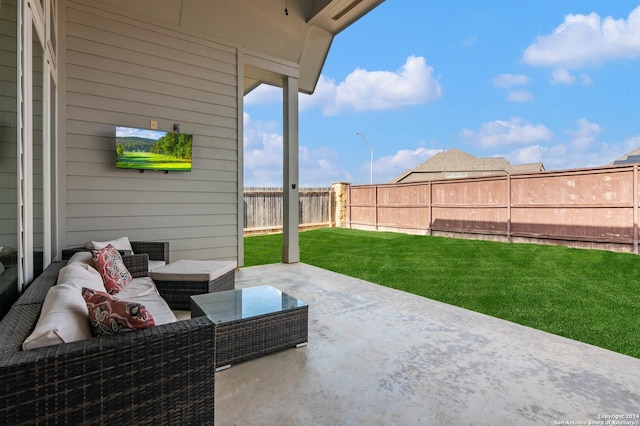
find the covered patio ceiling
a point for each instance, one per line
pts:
(378, 356)
(297, 32)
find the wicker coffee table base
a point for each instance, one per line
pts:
(243, 340)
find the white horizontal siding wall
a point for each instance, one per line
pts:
(126, 71)
(8, 122)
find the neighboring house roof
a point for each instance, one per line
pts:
(456, 160)
(628, 158)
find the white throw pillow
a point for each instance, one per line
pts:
(121, 243)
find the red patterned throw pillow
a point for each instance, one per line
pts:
(109, 315)
(109, 263)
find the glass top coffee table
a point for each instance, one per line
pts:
(252, 322)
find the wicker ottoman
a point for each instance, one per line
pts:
(178, 281)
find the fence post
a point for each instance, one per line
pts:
(340, 204)
(635, 208)
(508, 207)
(349, 206)
(332, 207)
(375, 203)
(430, 208)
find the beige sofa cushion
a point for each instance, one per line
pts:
(142, 290)
(78, 275)
(82, 257)
(64, 315)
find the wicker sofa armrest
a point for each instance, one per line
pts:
(137, 264)
(8, 288)
(67, 253)
(160, 375)
(157, 250)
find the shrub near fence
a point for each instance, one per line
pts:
(263, 209)
(590, 208)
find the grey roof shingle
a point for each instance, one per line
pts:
(456, 160)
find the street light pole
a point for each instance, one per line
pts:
(371, 157)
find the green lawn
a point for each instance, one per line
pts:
(587, 295)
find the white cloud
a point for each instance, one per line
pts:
(586, 80)
(262, 153)
(552, 157)
(413, 84)
(510, 80)
(583, 148)
(520, 96)
(583, 40)
(263, 162)
(585, 135)
(318, 168)
(263, 159)
(324, 97)
(470, 41)
(263, 94)
(504, 133)
(387, 168)
(362, 90)
(529, 154)
(562, 76)
(632, 143)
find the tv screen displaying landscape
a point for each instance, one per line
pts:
(145, 149)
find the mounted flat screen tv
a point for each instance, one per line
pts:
(144, 149)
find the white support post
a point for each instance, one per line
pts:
(26, 153)
(20, 135)
(290, 237)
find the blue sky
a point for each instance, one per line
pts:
(545, 80)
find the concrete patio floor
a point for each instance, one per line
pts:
(377, 356)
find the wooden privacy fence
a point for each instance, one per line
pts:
(592, 208)
(263, 209)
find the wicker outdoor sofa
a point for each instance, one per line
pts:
(156, 250)
(160, 375)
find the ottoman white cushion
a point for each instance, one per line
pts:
(155, 264)
(193, 270)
